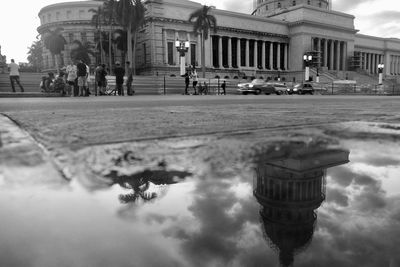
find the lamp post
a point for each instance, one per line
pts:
(380, 72)
(307, 59)
(182, 48)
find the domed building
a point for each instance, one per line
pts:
(269, 43)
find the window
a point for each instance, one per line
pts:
(279, 5)
(48, 17)
(57, 15)
(193, 54)
(320, 4)
(68, 14)
(70, 37)
(170, 48)
(266, 7)
(294, 3)
(81, 14)
(308, 2)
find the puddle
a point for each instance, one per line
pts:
(212, 202)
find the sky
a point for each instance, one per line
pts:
(19, 20)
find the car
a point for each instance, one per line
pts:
(301, 89)
(258, 86)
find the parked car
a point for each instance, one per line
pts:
(258, 86)
(301, 89)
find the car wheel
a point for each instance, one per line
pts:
(278, 92)
(245, 93)
(257, 92)
(300, 92)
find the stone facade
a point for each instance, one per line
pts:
(266, 44)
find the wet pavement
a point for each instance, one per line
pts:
(321, 196)
(226, 190)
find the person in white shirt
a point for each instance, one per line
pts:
(71, 77)
(14, 75)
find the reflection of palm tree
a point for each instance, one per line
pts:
(290, 187)
(203, 22)
(120, 40)
(140, 182)
(98, 20)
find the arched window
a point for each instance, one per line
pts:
(294, 3)
(308, 2)
(266, 7)
(279, 5)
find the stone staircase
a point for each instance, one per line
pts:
(143, 85)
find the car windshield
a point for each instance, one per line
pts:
(257, 81)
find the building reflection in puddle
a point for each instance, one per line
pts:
(290, 186)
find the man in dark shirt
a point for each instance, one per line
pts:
(82, 77)
(119, 78)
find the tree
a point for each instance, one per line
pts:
(81, 51)
(35, 56)
(55, 42)
(203, 22)
(130, 15)
(110, 14)
(98, 20)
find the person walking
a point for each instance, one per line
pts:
(13, 68)
(129, 81)
(223, 86)
(82, 77)
(119, 78)
(71, 71)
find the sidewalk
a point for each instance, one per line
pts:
(28, 94)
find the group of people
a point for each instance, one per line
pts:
(73, 80)
(198, 89)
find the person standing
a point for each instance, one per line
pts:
(14, 75)
(71, 77)
(187, 82)
(97, 79)
(129, 89)
(119, 78)
(195, 80)
(82, 77)
(223, 86)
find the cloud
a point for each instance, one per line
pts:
(347, 6)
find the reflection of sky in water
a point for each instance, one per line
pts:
(203, 221)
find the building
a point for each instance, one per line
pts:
(268, 43)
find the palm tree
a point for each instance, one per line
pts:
(203, 22)
(120, 40)
(130, 15)
(82, 51)
(98, 20)
(110, 14)
(54, 42)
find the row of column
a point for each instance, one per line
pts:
(369, 62)
(231, 52)
(332, 53)
(394, 65)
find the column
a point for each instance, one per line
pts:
(176, 54)
(263, 55)
(207, 49)
(229, 52)
(220, 51)
(271, 56)
(325, 53)
(247, 53)
(238, 53)
(319, 44)
(332, 55)
(278, 57)
(373, 64)
(337, 55)
(286, 52)
(165, 43)
(255, 54)
(344, 56)
(365, 61)
(187, 55)
(199, 44)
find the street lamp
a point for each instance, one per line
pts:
(380, 72)
(182, 48)
(307, 60)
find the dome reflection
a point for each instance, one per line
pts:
(290, 186)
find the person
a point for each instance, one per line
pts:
(49, 82)
(102, 84)
(71, 77)
(223, 86)
(14, 75)
(129, 89)
(187, 82)
(119, 78)
(59, 83)
(195, 80)
(82, 77)
(97, 71)
(86, 88)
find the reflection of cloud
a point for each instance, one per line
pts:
(337, 196)
(341, 176)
